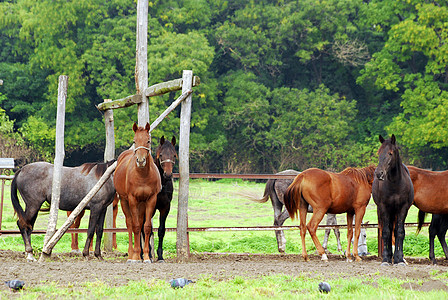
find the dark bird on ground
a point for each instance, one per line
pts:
(324, 287)
(179, 282)
(15, 284)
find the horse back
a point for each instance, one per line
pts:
(430, 190)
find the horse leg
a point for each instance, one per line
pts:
(76, 225)
(128, 217)
(399, 237)
(161, 232)
(432, 236)
(312, 225)
(99, 233)
(349, 236)
(279, 218)
(137, 221)
(26, 226)
(115, 213)
(359, 215)
(303, 209)
(93, 221)
(150, 207)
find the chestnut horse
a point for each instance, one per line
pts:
(275, 189)
(348, 191)
(431, 196)
(165, 159)
(393, 193)
(137, 182)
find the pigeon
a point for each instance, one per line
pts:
(179, 282)
(15, 284)
(324, 287)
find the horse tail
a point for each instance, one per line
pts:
(267, 191)
(292, 197)
(15, 199)
(421, 220)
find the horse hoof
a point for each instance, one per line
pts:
(76, 251)
(349, 260)
(147, 261)
(30, 258)
(161, 261)
(133, 261)
(401, 264)
(385, 264)
(324, 257)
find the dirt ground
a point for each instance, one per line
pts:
(68, 269)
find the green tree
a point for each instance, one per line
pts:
(413, 63)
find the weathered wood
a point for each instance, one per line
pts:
(168, 86)
(141, 64)
(109, 154)
(169, 109)
(6, 163)
(120, 103)
(59, 159)
(154, 90)
(182, 244)
(46, 251)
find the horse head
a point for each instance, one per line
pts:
(142, 141)
(388, 157)
(166, 157)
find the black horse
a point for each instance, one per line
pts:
(34, 182)
(393, 193)
(438, 226)
(165, 158)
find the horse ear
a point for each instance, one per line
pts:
(393, 139)
(147, 127)
(135, 127)
(173, 141)
(162, 140)
(381, 139)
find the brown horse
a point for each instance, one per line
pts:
(348, 191)
(137, 182)
(430, 190)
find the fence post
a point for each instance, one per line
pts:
(109, 154)
(58, 161)
(182, 244)
(141, 64)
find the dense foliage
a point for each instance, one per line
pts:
(284, 84)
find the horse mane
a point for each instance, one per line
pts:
(360, 175)
(101, 167)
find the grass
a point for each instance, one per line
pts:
(266, 287)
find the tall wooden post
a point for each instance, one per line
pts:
(58, 161)
(183, 245)
(141, 65)
(109, 154)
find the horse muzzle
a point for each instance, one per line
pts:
(380, 175)
(141, 163)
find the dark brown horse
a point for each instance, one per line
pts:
(348, 191)
(165, 160)
(34, 182)
(393, 193)
(137, 181)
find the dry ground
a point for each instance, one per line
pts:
(68, 269)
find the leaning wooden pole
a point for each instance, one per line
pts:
(182, 244)
(58, 161)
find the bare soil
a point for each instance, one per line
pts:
(67, 269)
